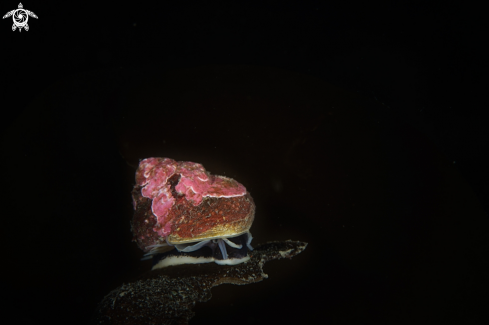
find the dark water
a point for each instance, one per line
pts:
(385, 182)
(395, 234)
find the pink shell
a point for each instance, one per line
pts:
(169, 199)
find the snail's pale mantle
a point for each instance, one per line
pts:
(165, 296)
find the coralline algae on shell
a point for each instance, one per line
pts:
(180, 202)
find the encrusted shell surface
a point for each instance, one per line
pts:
(180, 202)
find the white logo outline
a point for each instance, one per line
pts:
(20, 16)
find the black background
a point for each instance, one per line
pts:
(422, 60)
(421, 63)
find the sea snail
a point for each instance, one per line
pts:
(185, 215)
